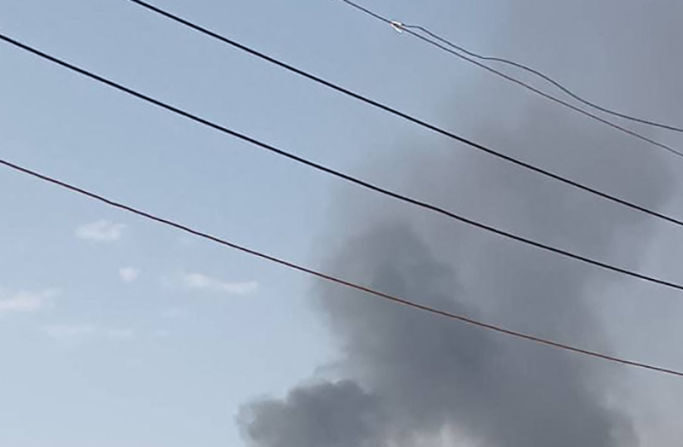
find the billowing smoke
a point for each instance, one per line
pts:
(414, 379)
(337, 414)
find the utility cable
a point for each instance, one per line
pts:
(331, 278)
(400, 27)
(407, 117)
(342, 175)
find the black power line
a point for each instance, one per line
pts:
(386, 108)
(341, 175)
(401, 27)
(334, 279)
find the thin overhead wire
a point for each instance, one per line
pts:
(341, 175)
(334, 279)
(543, 76)
(398, 25)
(405, 116)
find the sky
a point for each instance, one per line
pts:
(118, 332)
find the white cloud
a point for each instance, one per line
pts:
(78, 332)
(128, 274)
(201, 281)
(26, 302)
(173, 313)
(119, 334)
(100, 231)
(62, 332)
(161, 333)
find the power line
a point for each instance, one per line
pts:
(334, 279)
(543, 76)
(400, 26)
(341, 175)
(405, 116)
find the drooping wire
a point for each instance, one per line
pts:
(403, 115)
(341, 175)
(400, 26)
(334, 279)
(545, 77)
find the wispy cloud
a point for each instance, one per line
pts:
(100, 231)
(204, 282)
(26, 302)
(128, 274)
(161, 333)
(119, 334)
(64, 332)
(79, 332)
(172, 313)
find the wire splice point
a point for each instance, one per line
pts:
(398, 26)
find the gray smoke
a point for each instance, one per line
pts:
(414, 375)
(330, 414)
(416, 379)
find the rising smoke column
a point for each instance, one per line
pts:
(414, 379)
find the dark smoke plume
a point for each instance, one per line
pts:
(414, 379)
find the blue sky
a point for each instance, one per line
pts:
(118, 332)
(166, 355)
